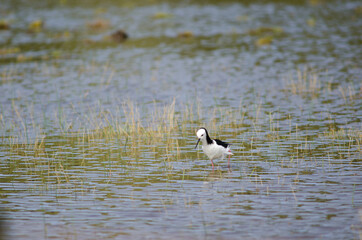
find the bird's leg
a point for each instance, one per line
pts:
(229, 162)
(212, 164)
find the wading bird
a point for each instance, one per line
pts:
(213, 148)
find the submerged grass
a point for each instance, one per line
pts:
(101, 139)
(306, 82)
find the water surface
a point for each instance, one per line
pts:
(296, 172)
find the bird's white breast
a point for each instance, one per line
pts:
(214, 151)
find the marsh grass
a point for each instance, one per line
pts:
(305, 83)
(350, 94)
(50, 147)
(8, 74)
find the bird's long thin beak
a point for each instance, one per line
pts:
(197, 142)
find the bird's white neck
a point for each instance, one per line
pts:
(204, 141)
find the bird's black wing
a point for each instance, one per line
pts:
(224, 144)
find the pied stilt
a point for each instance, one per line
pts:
(213, 148)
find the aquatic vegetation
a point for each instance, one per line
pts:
(66, 35)
(36, 25)
(316, 3)
(5, 51)
(4, 25)
(354, 135)
(242, 18)
(185, 34)
(349, 93)
(99, 25)
(161, 15)
(264, 41)
(311, 22)
(266, 31)
(358, 10)
(306, 83)
(265, 35)
(22, 58)
(162, 133)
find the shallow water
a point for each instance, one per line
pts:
(296, 169)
